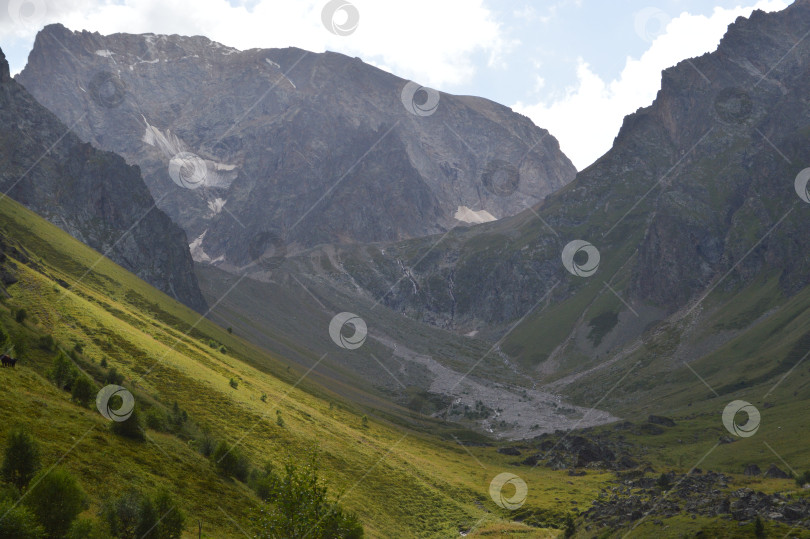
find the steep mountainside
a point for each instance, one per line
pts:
(93, 195)
(698, 184)
(266, 151)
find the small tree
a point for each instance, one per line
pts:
(759, 529)
(56, 500)
(147, 520)
(5, 340)
(62, 371)
(570, 526)
(18, 522)
(123, 514)
(302, 508)
(230, 462)
(84, 528)
(264, 397)
(365, 422)
(46, 342)
(131, 428)
(82, 392)
(234, 383)
(20, 316)
(664, 482)
(265, 482)
(172, 520)
(279, 419)
(21, 458)
(103, 362)
(230, 329)
(113, 377)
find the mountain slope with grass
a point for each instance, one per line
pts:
(398, 481)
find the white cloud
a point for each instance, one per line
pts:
(587, 117)
(429, 41)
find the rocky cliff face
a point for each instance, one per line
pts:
(266, 151)
(699, 191)
(93, 195)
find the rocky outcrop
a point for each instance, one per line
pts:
(698, 184)
(93, 195)
(309, 148)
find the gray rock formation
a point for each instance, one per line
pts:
(249, 150)
(92, 194)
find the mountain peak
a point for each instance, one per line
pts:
(4, 72)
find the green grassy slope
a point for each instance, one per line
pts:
(400, 482)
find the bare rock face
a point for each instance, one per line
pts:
(93, 195)
(699, 190)
(260, 150)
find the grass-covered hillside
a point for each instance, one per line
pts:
(100, 317)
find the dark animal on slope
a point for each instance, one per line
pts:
(8, 361)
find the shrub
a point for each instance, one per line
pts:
(21, 458)
(18, 522)
(46, 342)
(56, 500)
(172, 520)
(20, 316)
(131, 428)
(113, 377)
(205, 443)
(134, 515)
(279, 419)
(5, 340)
(83, 389)
(230, 462)
(365, 422)
(265, 482)
(63, 372)
(103, 362)
(223, 349)
(759, 529)
(230, 329)
(84, 528)
(155, 419)
(664, 482)
(264, 397)
(123, 514)
(234, 383)
(803, 479)
(302, 507)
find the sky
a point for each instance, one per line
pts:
(575, 67)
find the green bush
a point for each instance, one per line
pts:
(279, 419)
(123, 514)
(172, 520)
(803, 479)
(56, 500)
(103, 362)
(5, 340)
(136, 516)
(113, 377)
(223, 349)
(301, 507)
(47, 343)
(63, 372)
(18, 522)
(21, 458)
(131, 428)
(84, 528)
(83, 390)
(20, 316)
(155, 419)
(265, 482)
(230, 462)
(234, 383)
